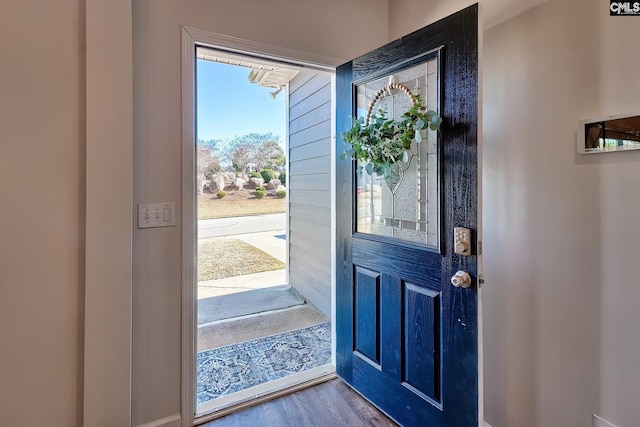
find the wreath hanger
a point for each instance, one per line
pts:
(387, 88)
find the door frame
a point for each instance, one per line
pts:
(192, 38)
(105, 362)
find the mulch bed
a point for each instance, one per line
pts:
(238, 203)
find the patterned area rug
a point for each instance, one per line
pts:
(235, 367)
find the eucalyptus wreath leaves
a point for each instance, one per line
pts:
(383, 143)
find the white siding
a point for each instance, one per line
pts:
(309, 185)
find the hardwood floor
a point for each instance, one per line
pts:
(330, 404)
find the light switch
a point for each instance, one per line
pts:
(156, 215)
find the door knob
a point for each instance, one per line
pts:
(461, 279)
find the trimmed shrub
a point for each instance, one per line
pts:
(221, 194)
(283, 177)
(261, 189)
(281, 194)
(267, 174)
(255, 175)
(260, 193)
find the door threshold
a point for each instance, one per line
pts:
(252, 315)
(261, 393)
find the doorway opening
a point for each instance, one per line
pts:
(262, 167)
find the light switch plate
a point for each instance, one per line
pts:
(156, 215)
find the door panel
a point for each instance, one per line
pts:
(420, 343)
(367, 309)
(406, 338)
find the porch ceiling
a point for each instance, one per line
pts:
(266, 75)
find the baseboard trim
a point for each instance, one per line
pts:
(171, 421)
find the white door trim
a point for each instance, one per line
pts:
(191, 38)
(106, 398)
(263, 50)
(189, 229)
(480, 227)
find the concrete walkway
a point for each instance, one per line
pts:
(272, 242)
(248, 282)
(245, 303)
(250, 293)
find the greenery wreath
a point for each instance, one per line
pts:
(383, 143)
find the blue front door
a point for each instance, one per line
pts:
(407, 339)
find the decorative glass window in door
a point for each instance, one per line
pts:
(405, 203)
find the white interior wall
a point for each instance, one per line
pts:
(409, 15)
(42, 266)
(618, 61)
(560, 297)
(42, 199)
(319, 28)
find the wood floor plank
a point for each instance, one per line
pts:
(295, 412)
(336, 411)
(330, 404)
(367, 413)
(336, 406)
(271, 414)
